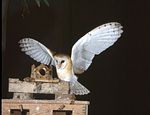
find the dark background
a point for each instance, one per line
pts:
(118, 78)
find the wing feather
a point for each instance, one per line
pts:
(44, 60)
(93, 43)
(37, 51)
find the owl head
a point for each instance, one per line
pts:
(62, 61)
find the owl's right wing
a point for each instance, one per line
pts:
(93, 43)
(37, 51)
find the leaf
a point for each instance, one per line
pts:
(38, 2)
(46, 2)
(25, 8)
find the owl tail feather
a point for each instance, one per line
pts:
(77, 88)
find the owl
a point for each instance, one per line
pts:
(82, 54)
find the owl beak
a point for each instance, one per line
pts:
(59, 66)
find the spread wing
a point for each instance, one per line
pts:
(93, 43)
(37, 51)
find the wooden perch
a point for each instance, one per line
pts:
(15, 85)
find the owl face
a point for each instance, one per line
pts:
(61, 61)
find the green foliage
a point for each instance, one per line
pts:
(46, 2)
(26, 4)
(39, 2)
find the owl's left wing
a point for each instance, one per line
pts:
(37, 51)
(93, 43)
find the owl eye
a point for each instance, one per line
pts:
(62, 61)
(56, 61)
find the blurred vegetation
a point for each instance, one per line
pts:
(26, 4)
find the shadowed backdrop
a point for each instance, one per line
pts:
(118, 78)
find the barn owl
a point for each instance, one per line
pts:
(82, 54)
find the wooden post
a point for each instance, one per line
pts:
(63, 104)
(45, 107)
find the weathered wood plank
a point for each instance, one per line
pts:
(15, 85)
